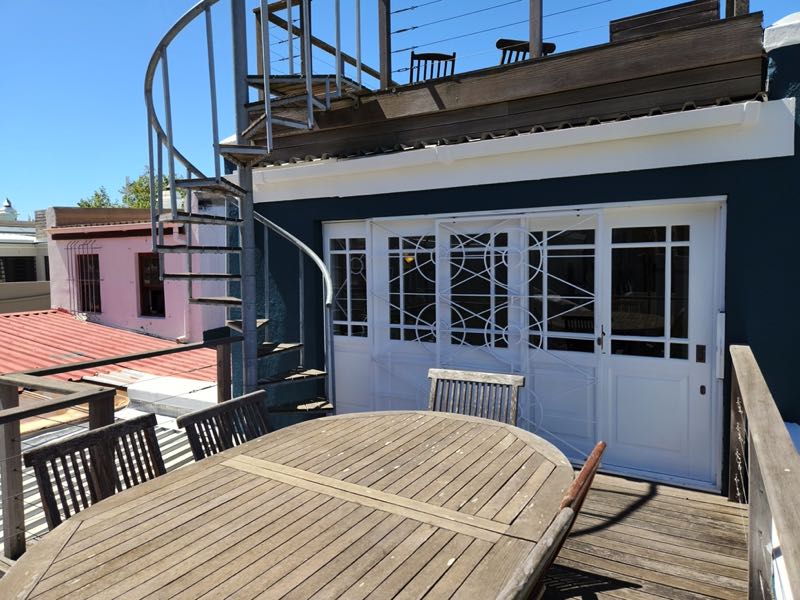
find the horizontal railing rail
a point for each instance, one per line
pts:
(764, 471)
(100, 400)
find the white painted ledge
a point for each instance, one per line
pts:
(746, 131)
(785, 32)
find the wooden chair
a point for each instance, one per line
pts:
(76, 472)
(226, 425)
(431, 65)
(488, 395)
(528, 580)
(517, 50)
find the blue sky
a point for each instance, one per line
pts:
(71, 75)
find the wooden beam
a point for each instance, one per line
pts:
(734, 8)
(223, 372)
(101, 409)
(11, 478)
(385, 41)
(535, 25)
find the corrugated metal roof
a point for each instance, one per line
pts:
(38, 339)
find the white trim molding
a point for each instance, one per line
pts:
(745, 131)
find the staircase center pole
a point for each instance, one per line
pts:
(248, 237)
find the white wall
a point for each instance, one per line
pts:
(119, 288)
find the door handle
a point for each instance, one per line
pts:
(601, 338)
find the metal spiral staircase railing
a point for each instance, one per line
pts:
(185, 194)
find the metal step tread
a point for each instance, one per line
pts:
(271, 348)
(257, 126)
(298, 374)
(199, 276)
(185, 217)
(243, 154)
(216, 300)
(316, 406)
(211, 185)
(186, 249)
(236, 324)
(291, 85)
(293, 101)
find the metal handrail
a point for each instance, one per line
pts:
(163, 137)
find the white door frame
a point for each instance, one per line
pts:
(716, 358)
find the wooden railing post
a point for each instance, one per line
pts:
(223, 372)
(11, 478)
(734, 8)
(385, 41)
(101, 410)
(535, 26)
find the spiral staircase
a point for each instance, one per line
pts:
(183, 195)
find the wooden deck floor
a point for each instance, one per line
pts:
(640, 540)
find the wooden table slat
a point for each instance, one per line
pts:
(396, 504)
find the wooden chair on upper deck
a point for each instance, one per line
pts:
(431, 65)
(528, 580)
(488, 395)
(226, 425)
(78, 471)
(517, 50)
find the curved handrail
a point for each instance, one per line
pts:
(326, 276)
(173, 31)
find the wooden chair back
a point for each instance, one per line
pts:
(488, 395)
(226, 425)
(516, 50)
(527, 581)
(76, 472)
(431, 65)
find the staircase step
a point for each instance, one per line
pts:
(184, 249)
(242, 154)
(184, 217)
(211, 188)
(319, 406)
(293, 85)
(293, 376)
(272, 348)
(256, 128)
(236, 325)
(216, 300)
(293, 101)
(204, 276)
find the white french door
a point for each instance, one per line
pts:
(609, 313)
(658, 338)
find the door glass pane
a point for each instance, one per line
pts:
(638, 235)
(561, 290)
(412, 287)
(479, 289)
(348, 262)
(637, 348)
(679, 301)
(637, 291)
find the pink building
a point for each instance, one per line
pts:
(102, 265)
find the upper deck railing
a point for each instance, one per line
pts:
(764, 471)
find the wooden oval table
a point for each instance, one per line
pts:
(384, 505)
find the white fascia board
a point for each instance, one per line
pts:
(746, 131)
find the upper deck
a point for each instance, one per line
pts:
(672, 59)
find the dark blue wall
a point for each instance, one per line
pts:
(762, 276)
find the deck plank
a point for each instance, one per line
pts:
(639, 541)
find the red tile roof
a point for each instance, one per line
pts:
(33, 340)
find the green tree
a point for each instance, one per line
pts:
(136, 194)
(99, 199)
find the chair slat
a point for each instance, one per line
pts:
(431, 65)
(488, 395)
(226, 425)
(78, 471)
